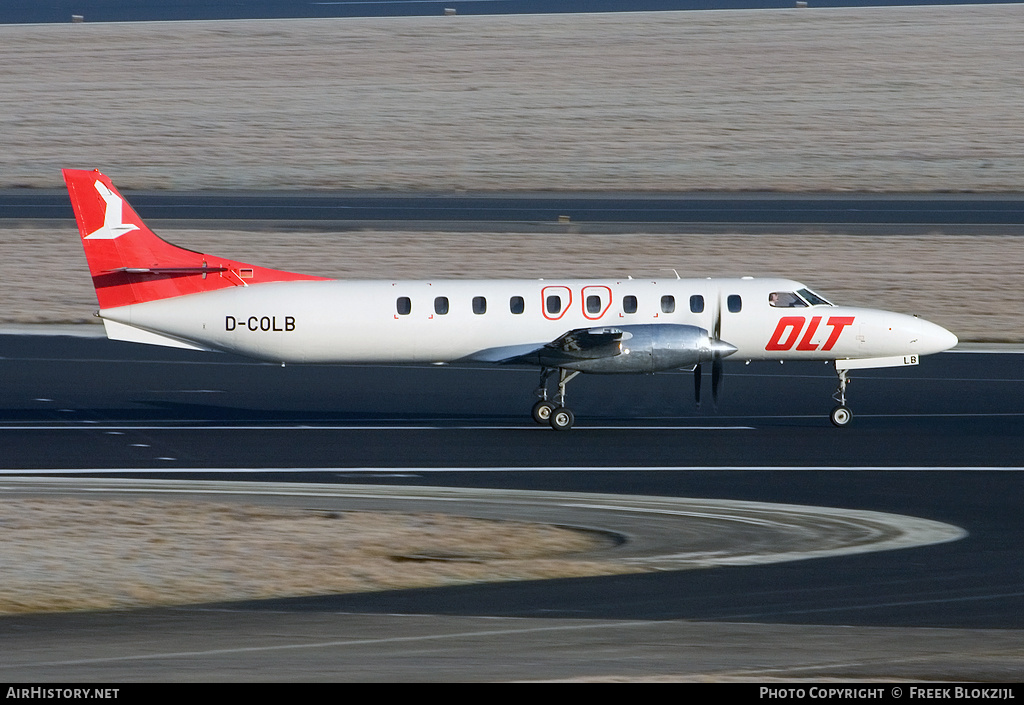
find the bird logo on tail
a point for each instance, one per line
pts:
(113, 224)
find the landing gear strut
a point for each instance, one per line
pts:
(841, 415)
(543, 408)
(554, 412)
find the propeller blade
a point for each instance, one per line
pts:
(718, 318)
(696, 383)
(716, 378)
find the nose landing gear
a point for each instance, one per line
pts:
(841, 415)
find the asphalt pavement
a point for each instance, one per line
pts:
(20, 11)
(554, 212)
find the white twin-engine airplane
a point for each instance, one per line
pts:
(151, 291)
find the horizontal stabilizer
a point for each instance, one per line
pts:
(131, 334)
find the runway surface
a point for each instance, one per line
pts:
(954, 410)
(940, 442)
(635, 212)
(219, 643)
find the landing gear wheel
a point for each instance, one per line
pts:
(554, 412)
(841, 416)
(542, 411)
(562, 419)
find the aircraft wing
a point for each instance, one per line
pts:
(586, 344)
(573, 346)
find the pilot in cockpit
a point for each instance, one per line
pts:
(785, 299)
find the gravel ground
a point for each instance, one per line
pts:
(116, 554)
(871, 99)
(875, 99)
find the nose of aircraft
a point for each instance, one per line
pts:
(934, 338)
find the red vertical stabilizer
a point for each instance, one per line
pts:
(130, 264)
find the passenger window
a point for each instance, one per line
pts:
(479, 305)
(696, 304)
(629, 304)
(404, 305)
(668, 304)
(735, 303)
(553, 304)
(516, 305)
(441, 305)
(593, 304)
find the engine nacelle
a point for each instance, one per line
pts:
(651, 348)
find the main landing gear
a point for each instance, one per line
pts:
(559, 417)
(841, 415)
(554, 412)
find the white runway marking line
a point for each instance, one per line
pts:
(874, 605)
(510, 469)
(199, 425)
(329, 644)
(94, 426)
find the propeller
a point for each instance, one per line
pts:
(716, 361)
(696, 383)
(719, 350)
(716, 378)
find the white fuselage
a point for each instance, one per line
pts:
(341, 321)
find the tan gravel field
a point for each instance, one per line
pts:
(878, 99)
(116, 554)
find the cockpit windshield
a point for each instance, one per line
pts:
(785, 299)
(799, 299)
(813, 299)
